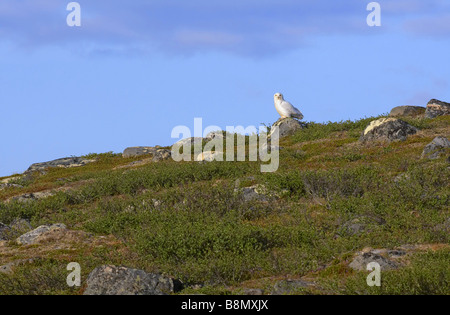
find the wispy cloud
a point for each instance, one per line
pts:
(251, 27)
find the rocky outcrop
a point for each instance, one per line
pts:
(437, 147)
(64, 162)
(286, 127)
(437, 108)
(362, 259)
(387, 129)
(407, 111)
(33, 236)
(113, 280)
(157, 152)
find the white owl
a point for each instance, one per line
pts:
(286, 109)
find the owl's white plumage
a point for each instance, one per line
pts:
(284, 108)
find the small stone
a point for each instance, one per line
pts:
(387, 129)
(361, 261)
(286, 127)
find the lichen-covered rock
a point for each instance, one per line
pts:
(407, 111)
(387, 129)
(64, 162)
(113, 280)
(361, 260)
(437, 147)
(138, 151)
(437, 108)
(161, 155)
(289, 286)
(31, 236)
(286, 127)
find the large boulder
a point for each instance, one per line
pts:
(437, 108)
(439, 145)
(64, 162)
(407, 111)
(113, 280)
(32, 236)
(387, 129)
(138, 151)
(287, 127)
(157, 152)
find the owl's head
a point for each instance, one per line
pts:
(278, 97)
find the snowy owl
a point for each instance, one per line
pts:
(285, 109)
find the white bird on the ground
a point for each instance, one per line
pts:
(286, 109)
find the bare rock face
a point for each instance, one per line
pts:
(407, 111)
(437, 147)
(437, 108)
(286, 127)
(387, 129)
(64, 162)
(113, 280)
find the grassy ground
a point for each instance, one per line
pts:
(202, 232)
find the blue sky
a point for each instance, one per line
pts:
(136, 69)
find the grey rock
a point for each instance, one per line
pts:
(407, 111)
(286, 127)
(192, 141)
(5, 232)
(8, 185)
(361, 261)
(113, 280)
(387, 129)
(161, 155)
(435, 148)
(64, 162)
(215, 134)
(255, 192)
(138, 151)
(284, 287)
(437, 108)
(32, 196)
(31, 236)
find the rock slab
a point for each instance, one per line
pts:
(113, 280)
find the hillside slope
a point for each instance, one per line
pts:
(227, 228)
